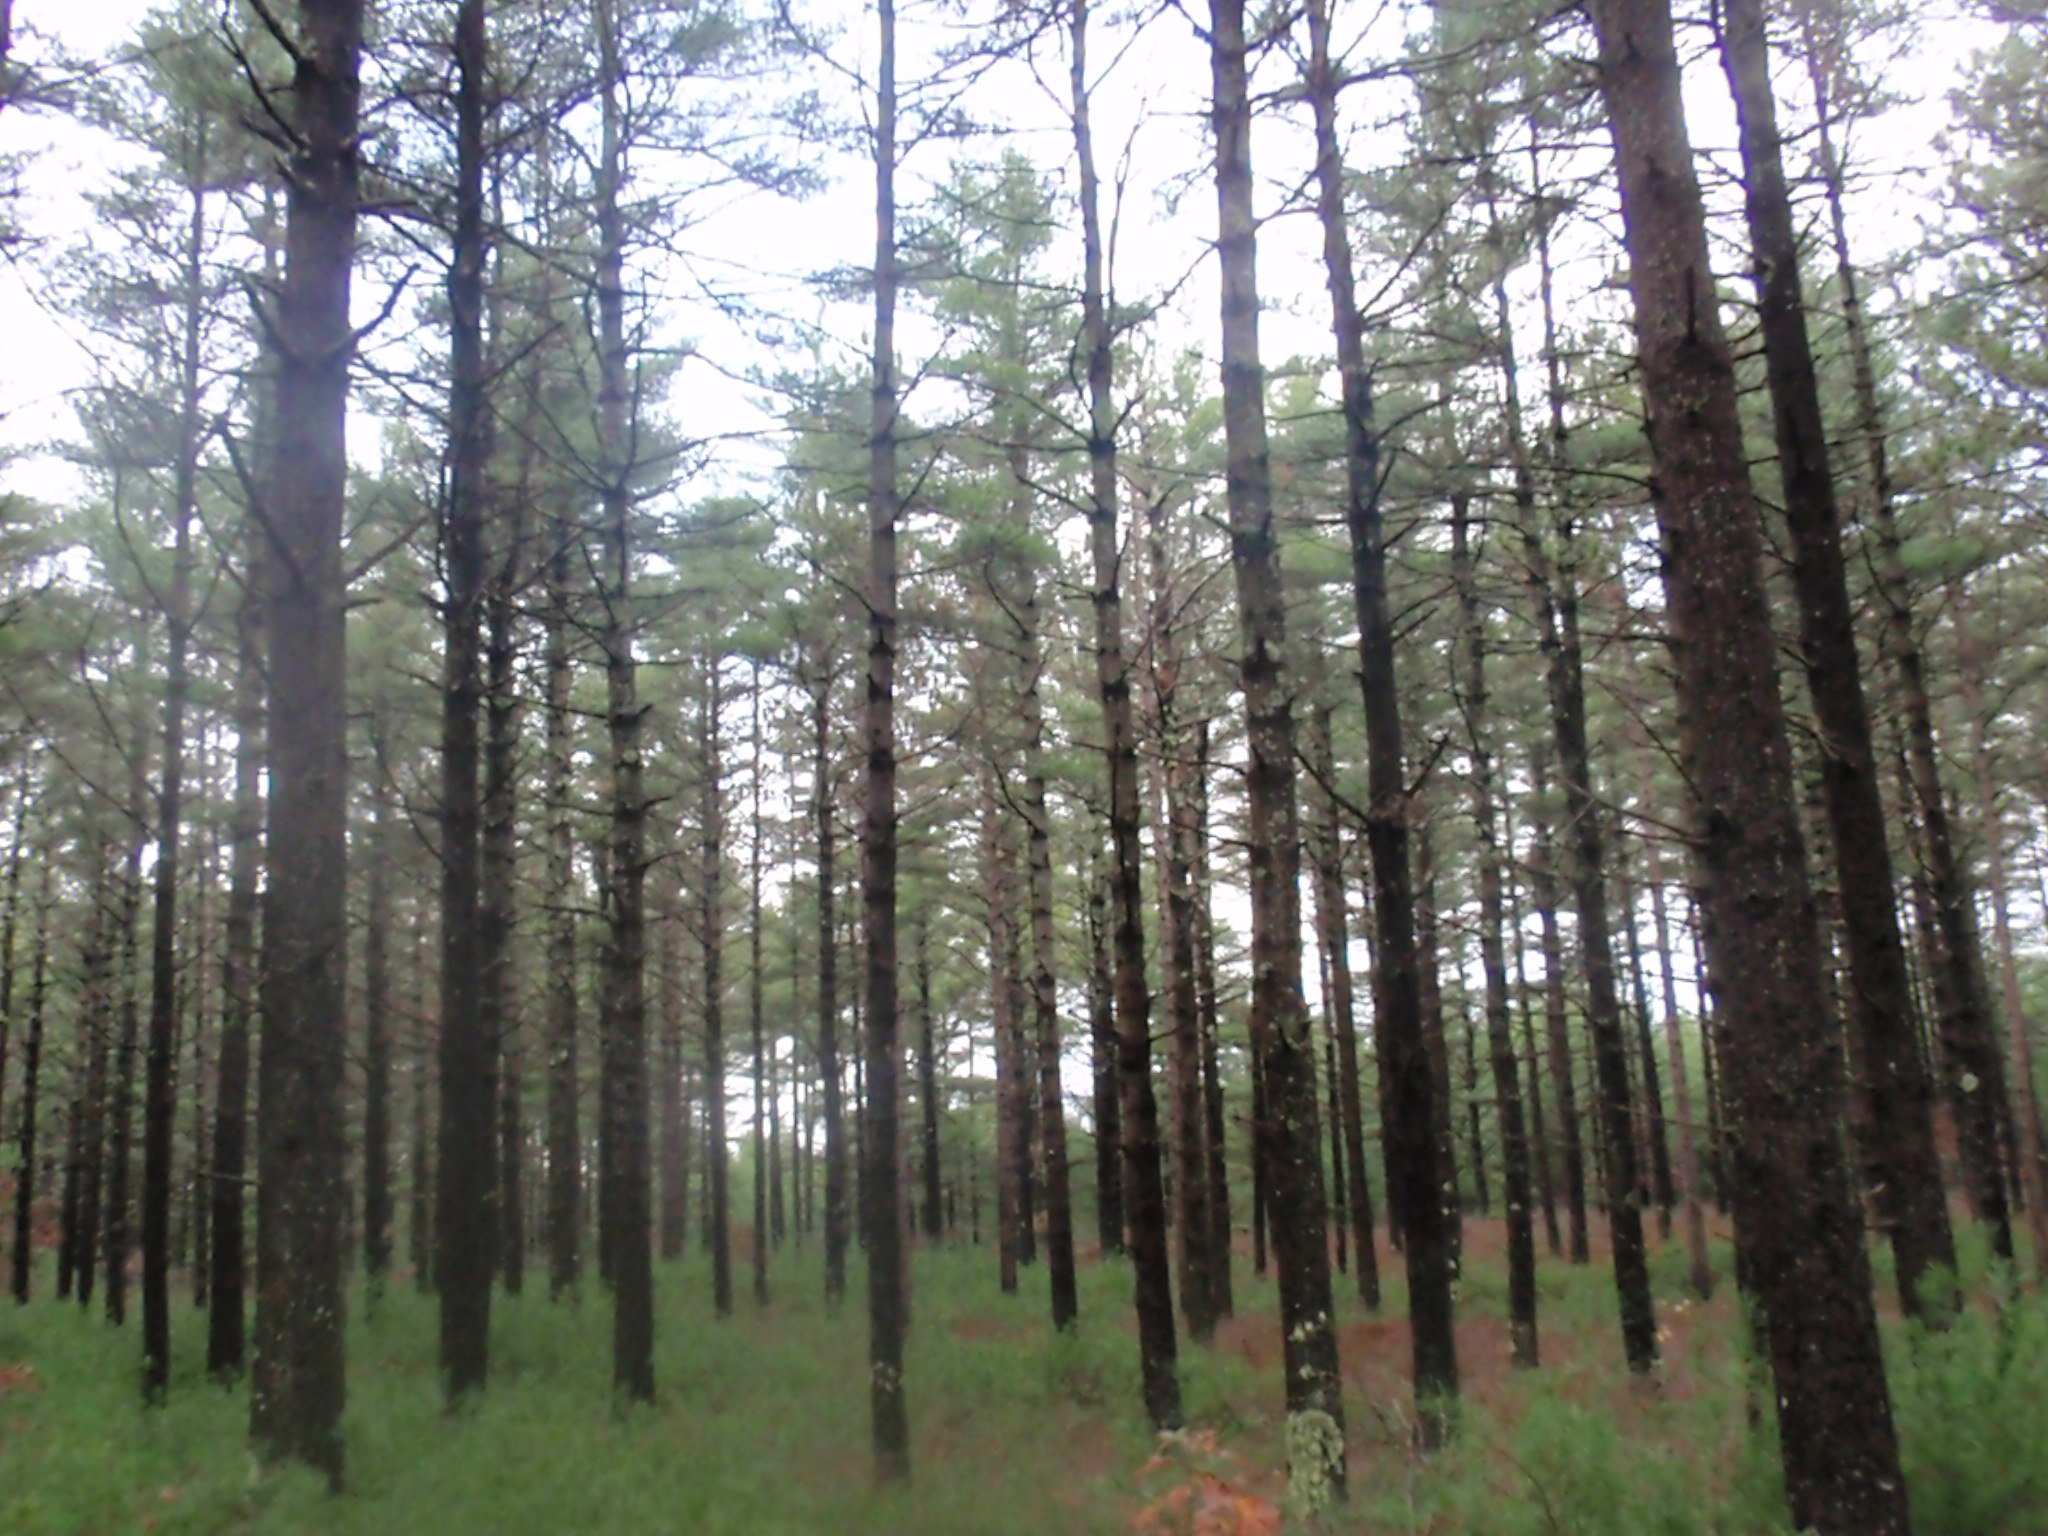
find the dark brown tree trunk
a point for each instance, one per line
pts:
(1700, 1263)
(1557, 1028)
(757, 1016)
(420, 1195)
(675, 1116)
(1507, 1086)
(1539, 1136)
(999, 874)
(1174, 855)
(1652, 1130)
(1334, 936)
(1109, 1166)
(295, 1410)
(115, 1208)
(94, 1029)
(928, 1088)
(466, 1191)
(1897, 1076)
(1801, 1230)
(1143, 1197)
(829, 1070)
(160, 1104)
(1411, 1108)
(1045, 1034)
(565, 1140)
(625, 1046)
(1281, 1028)
(498, 1011)
(22, 1268)
(1221, 1289)
(881, 1195)
(377, 1043)
(711, 938)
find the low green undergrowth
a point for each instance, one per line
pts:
(761, 1426)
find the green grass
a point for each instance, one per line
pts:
(761, 1427)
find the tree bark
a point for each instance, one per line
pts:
(881, 1194)
(1500, 1037)
(1899, 1084)
(22, 1268)
(377, 1044)
(1143, 1197)
(625, 1045)
(1281, 1027)
(1800, 1228)
(711, 937)
(1334, 936)
(1411, 1107)
(565, 1140)
(829, 1070)
(302, 1134)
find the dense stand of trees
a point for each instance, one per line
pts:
(1657, 866)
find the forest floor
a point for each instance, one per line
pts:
(761, 1426)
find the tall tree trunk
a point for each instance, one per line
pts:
(1109, 1166)
(498, 1011)
(2030, 1173)
(830, 1077)
(625, 1045)
(115, 1208)
(1045, 1035)
(23, 1253)
(466, 1191)
(1173, 861)
(1507, 1087)
(1220, 1285)
(1143, 1197)
(880, 1195)
(1652, 1125)
(1700, 1264)
(675, 1115)
(159, 1094)
(420, 1196)
(1539, 1137)
(565, 1142)
(932, 1213)
(1557, 1028)
(1334, 937)
(1899, 1084)
(1281, 1028)
(377, 1045)
(295, 1410)
(711, 936)
(1411, 1108)
(756, 1016)
(1800, 1227)
(999, 874)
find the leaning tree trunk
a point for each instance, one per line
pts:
(1144, 1198)
(1281, 1028)
(1800, 1227)
(1412, 1109)
(1967, 1044)
(1898, 1081)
